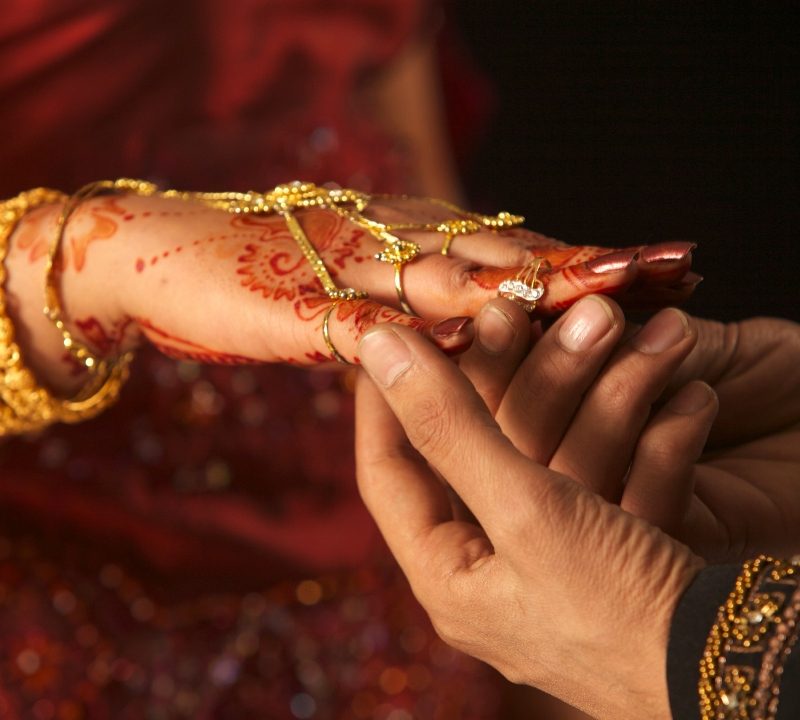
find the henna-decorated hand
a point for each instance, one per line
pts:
(727, 483)
(207, 285)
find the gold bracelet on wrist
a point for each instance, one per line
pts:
(754, 633)
(24, 404)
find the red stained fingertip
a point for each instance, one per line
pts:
(451, 326)
(454, 335)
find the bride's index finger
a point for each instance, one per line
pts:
(338, 327)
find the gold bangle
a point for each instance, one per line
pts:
(53, 308)
(326, 336)
(26, 405)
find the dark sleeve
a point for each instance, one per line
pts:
(697, 612)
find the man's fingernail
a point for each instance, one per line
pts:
(667, 251)
(691, 398)
(451, 326)
(613, 262)
(691, 279)
(495, 330)
(661, 332)
(584, 324)
(384, 354)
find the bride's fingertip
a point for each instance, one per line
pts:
(452, 336)
(450, 327)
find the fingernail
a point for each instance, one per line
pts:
(691, 398)
(667, 251)
(661, 332)
(613, 262)
(691, 279)
(587, 322)
(495, 330)
(451, 326)
(385, 356)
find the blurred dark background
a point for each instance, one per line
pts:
(626, 122)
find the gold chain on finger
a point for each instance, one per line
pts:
(25, 405)
(283, 200)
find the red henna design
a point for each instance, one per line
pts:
(580, 281)
(139, 265)
(182, 349)
(76, 368)
(264, 268)
(102, 228)
(106, 343)
(363, 314)
(32, 238)
(318, 357)
(310, 308)
(276, 275)
(207, 358)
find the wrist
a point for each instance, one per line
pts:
(645, 690)
(622, 672)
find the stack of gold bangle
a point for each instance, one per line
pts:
(25, 405)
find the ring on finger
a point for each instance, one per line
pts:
(398, 286)
(525, 288)
(326, 336)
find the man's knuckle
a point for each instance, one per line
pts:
(460, 277)
(618, 394)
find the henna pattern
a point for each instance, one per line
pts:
(76, 368)
(208, 357)
(107, 343)
(32, 237)
(182, 349)
(103, 227)
(363, 314)
(283, 273)
(36, 239)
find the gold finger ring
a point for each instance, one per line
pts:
(326, 336)
(398, 286)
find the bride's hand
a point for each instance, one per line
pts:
(214, 287)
